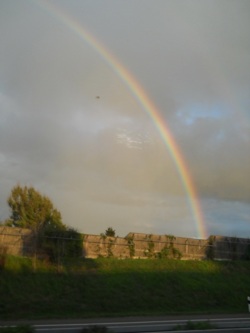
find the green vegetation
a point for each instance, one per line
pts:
(32, 210)
(3, 255)
(210, 248)
(110, 232)
(192, 325)
(113, 287)
(131, 245)
(169, 251)
(151, 247)
(51, 238)
(95, 329)
(17, 329)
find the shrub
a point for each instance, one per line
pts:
(246, 255)
(109, 248)
(61, 244)
(169, 251)
(3, 254)
(110, 232)
(151, 246)
(131, 245)
(95, 329)
(17, 329)
(210, 252)
(191, 326)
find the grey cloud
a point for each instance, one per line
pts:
(70, 126)
(219, 160)
(235, 224)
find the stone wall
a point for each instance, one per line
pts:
(19, 241)
(138, 245)
(16, 240)
(228, 248)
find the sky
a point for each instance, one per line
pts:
(73, 127)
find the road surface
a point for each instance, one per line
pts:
(223, 324)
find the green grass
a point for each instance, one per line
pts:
(192, 326)
(112, 287)
(17, 329)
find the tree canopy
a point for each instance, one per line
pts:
(110, 232)
(32, 210)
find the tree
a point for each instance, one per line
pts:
(110, 232)
(30, 209)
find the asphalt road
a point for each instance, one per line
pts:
(222, 323)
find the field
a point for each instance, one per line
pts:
(113, 287)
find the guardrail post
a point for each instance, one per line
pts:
(248, 301)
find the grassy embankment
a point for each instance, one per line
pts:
(112, 287)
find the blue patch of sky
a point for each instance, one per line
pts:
(227, 218)
(190, 114)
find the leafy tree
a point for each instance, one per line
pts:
(110, 232)
(30, 209)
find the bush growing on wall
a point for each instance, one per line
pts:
(151, 246)
(110, 247)
(210, 252)
(131, 245)
(169, 250)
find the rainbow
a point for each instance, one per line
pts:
(143, 100)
